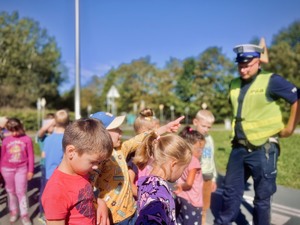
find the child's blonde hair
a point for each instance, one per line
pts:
(88, 136)
(61, 118)
(145, 121)
(161, 149)
(205, 115)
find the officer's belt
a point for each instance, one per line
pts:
(252, 147)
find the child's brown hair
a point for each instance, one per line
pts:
(88, 136)
(15, 125)
(191, 136)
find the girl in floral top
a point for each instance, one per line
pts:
(169, 156)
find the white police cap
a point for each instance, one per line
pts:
(247, 52)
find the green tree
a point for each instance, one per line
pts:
(215, 71)
(30, 64)
(284, 57)
(284, 53)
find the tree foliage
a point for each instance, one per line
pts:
(30, 67)
(29, 62)
(284, 53)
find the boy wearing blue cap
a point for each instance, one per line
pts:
(113, 179)
(257, 126)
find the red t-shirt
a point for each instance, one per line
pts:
(69, 197)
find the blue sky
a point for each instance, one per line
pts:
(113, 32)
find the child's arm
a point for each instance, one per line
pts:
(30, 155)
(132, 144)
(173, 126)
(102, 212)
(189, 182)
(132, 183)
(56, 222)
(44, 129)
(215, 174)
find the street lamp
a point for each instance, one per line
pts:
(172, 112)
(40, 105)
(77, 61)
(161, 112)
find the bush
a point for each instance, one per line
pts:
(28, 116)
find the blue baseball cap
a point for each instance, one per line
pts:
(247, 52)
(109, 121)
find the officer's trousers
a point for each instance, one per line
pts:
(261, 164)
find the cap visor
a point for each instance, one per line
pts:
(116, 123)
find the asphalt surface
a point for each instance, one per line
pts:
(285, 209)
(285, 204)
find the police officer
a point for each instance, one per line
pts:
(257, 125)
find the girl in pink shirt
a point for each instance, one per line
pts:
(17, 164)
(189, 186)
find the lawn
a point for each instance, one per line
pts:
(288, 162)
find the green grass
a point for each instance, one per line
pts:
(288, 162)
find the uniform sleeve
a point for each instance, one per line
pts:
(279, 87)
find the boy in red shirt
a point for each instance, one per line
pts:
(68, 196)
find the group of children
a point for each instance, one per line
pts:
(129, 182)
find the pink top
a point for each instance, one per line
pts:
(146, 171)
(194, 195)
(17, 151)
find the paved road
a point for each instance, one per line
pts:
(285, 206)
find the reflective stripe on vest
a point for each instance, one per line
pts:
(261, 118)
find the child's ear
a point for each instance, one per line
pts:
(70, 151)
(195, 121)
(173, 163)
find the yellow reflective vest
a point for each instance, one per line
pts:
(261, 118)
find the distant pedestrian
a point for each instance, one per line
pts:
(17, 166)
(170, 155)
(188, 188)
(68, 196)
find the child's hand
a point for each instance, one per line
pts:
(173, 126)
(178, 189)
(29, 175)
(102, 213)
(213, 186)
